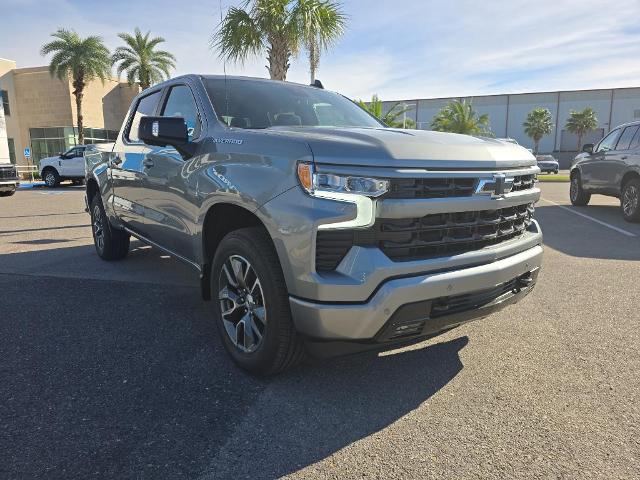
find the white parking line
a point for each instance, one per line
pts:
(605, 224)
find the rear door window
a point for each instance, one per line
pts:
(181, 103)
(627, 136)
(146, 106)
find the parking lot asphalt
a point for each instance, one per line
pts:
(114, 370)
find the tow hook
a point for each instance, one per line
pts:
(523, 282)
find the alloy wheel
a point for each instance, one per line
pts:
(98, 229)
(574, 187)
(50, 180)
(242, 304)
(630, 200)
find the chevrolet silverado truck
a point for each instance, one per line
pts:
(313, 226)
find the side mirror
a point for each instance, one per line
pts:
(587, 147)
(166, 131)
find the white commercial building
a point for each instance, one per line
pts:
(508, 112)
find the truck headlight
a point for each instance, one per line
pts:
(314, 182)
(361, 191)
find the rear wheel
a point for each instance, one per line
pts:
(630, 200)
(7, 194)
(110, 243)
(252, 310)
(577, 195)
(51, 178)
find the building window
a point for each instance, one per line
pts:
(49, 142)
(12, 150)
(4, 95)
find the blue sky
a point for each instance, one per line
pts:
(402, 49)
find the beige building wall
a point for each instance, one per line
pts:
(38, 100)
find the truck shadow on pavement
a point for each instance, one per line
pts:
(127, 379)
(579, 237)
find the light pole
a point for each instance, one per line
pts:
(405, 107)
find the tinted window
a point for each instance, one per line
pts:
(635, 143)
(182, 104)
(4, 96)
(264, 104)
(146, 106)
(625, 139)
(608, 142)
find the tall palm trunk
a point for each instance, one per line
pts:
(579, 142)
(278, 57)
(78, 92)
(314, 60)
(536, 145)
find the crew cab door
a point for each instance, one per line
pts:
(71, 164)
(170, 201)
(127, 168)
(594, 168)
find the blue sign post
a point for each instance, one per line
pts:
(27, 152)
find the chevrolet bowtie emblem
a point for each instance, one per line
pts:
(497, 186)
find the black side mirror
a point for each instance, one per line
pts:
(166, 131)
(587, 147)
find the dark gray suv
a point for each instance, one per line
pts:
(611, 167)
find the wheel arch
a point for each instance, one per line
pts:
(92, 189)
(219, 220)
(628, 176)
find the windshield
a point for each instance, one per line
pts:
(263, 104)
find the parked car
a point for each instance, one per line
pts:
(324, 233)
(65, 166)
(611, 167)
(548, 164)
(9, 180)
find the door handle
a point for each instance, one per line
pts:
(624, 157)
(148, 163)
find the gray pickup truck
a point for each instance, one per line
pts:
(313, 226)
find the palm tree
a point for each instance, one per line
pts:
(82, 60)
(142, 62)
(538, 124)
(581, 122)
(313, 15)
(460, 117)
(279, 27)
(394, 117)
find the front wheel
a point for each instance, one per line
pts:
(251, 307)
(51, 178)
(630, 200)
(577, 195)
(110, 243)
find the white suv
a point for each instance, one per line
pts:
(66, 166)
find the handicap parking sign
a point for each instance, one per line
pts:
(27, 152)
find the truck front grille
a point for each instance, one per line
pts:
(8, 173)
(434, 235)
(411, 188)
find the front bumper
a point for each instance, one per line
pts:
(9, 185)
(370, 321)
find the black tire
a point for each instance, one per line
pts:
(114, 243)
(630, 200)
(78, 181)
(577, 195)
(279, 346)
(51, 177)
(7, 194)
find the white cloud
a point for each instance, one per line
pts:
(406, 49)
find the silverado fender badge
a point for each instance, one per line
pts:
(234, 141)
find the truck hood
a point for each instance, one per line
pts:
(49, 160)
(388, 147)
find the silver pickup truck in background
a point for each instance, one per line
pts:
(313, 226)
